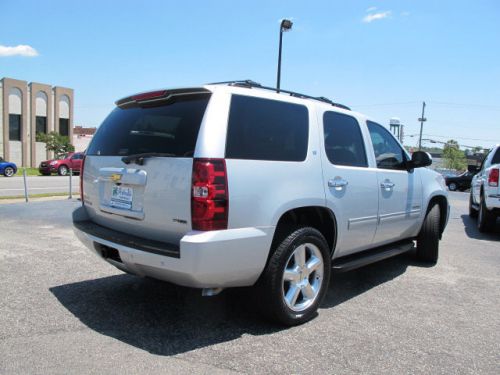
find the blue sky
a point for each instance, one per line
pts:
(382, 58)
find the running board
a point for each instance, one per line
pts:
(350, 262)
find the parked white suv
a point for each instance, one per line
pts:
(484, 201)
(233, 184)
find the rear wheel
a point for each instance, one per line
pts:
(472, 210)
(428, 238)
(62, 171)
(296, 278)
(8, 172)
(485, 220)
(452, 186)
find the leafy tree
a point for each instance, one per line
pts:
(56, 142)
(453, 157)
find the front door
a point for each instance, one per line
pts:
(400, 190)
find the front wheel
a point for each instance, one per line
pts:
(8, 172)
(428, 238)
(62, 171)
(296, 278)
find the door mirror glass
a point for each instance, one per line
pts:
(420, 159)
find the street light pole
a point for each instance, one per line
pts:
(284, 26)
(422, 120)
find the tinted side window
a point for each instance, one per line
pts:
(496, 157)
(169, 127)
(343, 140)
(388, 152)
(263, 129)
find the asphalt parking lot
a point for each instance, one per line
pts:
(64, 311)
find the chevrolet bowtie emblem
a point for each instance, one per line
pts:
(116, 177)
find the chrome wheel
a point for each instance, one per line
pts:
(9, 172)
(303, 277)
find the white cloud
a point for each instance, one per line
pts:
(376, 16)
(405, 14)
(20, 50)
(371, 9)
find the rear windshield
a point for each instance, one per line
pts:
(263, 129)
(170, 128)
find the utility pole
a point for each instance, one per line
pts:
(422, 120)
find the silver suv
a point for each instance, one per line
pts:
(233, 184)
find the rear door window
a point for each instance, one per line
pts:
(263, 129)
(170, 128)
(343, 140)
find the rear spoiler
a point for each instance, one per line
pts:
(159, 95)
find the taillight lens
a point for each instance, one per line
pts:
(209, 195)
(81, 179)
(493, 177)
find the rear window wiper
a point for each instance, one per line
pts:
(139, 158)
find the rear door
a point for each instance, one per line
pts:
(76, 161)
(351, 187)
(399, 190)
(137, 174)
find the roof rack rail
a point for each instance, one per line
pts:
(249, 83)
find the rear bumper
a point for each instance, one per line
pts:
(226, 258)
(493, 202)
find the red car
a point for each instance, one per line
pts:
(61, 166)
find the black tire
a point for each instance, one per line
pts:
(428, 238)
(485, 219)
(271, 286)
(472, 210)
(452, 186)
(62, 170)
(9, 172)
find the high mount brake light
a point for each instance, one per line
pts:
(209, 195)
(493, 177)
(149, 95)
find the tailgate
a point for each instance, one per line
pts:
(151, 200)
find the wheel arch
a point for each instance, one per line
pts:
(318, 217)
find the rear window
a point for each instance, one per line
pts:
(496, 157)
(262, 129)
(170, 128)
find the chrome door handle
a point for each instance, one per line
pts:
(387, 185)
(337, 183)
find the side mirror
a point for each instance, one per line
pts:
(420, 159)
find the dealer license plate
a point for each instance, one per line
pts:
(121, 197)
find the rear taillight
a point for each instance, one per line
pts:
(81, 179)
(493, 177)
(209, 195)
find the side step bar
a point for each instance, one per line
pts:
(350, 262)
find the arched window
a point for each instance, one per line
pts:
(64, 106)
(15, 113)
(41, 112)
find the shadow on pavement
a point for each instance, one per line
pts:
(165, 319)
(470, 226)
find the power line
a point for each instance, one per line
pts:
(453, 137)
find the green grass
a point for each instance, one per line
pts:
(29, 171)
(42, 195)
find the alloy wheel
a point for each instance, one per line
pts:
(303, 277)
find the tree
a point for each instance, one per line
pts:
(453, 157)
(56, 142)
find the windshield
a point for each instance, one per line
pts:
(168, 128)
